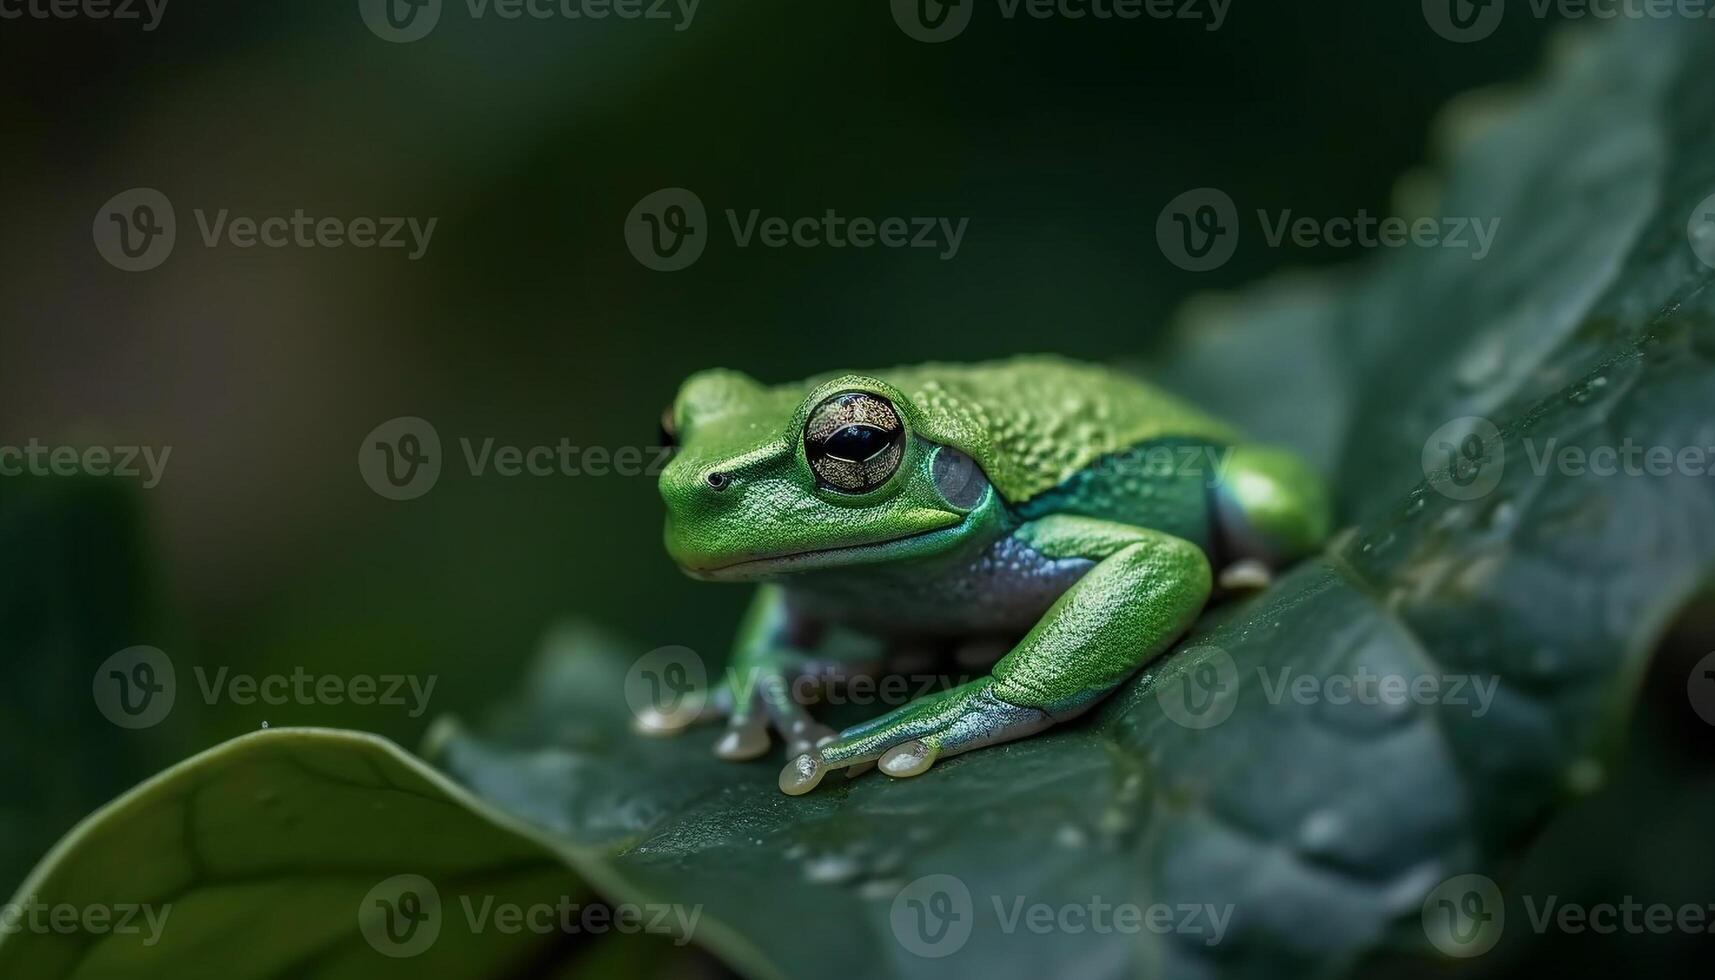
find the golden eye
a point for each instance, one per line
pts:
(854, 441)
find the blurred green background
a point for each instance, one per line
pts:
(528, 320)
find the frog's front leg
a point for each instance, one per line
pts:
(777, 657)
(1144, 591)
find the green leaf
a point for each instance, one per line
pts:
(256, 858)
(1302, 834)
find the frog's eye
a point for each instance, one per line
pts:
(854, 441)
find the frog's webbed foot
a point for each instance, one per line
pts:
(755, 701)
(772, 702)
(908, 740)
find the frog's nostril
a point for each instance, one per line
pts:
(718, 480)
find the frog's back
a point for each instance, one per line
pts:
(1035, 422)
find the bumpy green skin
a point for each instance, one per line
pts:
(1099, 507)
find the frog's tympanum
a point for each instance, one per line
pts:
(1066, 515)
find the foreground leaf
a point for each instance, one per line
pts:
(255, 860)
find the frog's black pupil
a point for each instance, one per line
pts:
(856, 443)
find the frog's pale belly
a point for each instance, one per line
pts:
(1004, 588)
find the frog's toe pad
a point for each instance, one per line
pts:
(802, 774)
(743, 741)
(655, 720)
(909, 758)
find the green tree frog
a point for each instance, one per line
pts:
(1068, 514)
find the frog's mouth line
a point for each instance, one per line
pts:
(815, 558)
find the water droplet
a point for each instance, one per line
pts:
(1070, 836)
(830, 869)
(1321, 829)
(1501, 515)
(1482, 362)
(881, 889)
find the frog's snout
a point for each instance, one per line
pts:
(701, 500)
(690, 489)
(700, 497)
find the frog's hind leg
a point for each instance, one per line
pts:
(1269, 510)
(1144, 590)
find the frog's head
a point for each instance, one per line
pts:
(771, 481)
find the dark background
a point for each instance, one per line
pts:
(528, 320)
